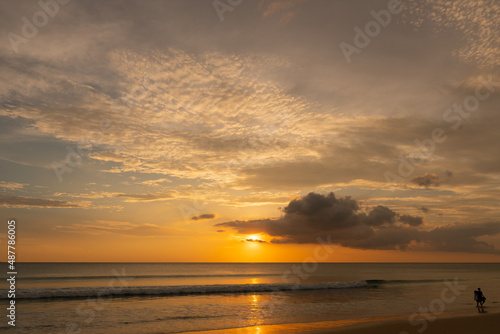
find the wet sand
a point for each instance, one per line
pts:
(464, 322)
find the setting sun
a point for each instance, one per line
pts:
(254, 237)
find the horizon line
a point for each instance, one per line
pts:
(271, 262)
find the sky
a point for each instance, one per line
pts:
(251, 131)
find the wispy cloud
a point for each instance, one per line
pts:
(30, 202)
(155, 182)
(197, 115)
(90, 195)
(12, 185)
(285, 9)
(145, 197)
(120, 228)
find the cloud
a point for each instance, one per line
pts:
(175, 112)
(120, 228)
(255, 240)
(462, 237)
(27, 202)
(12, 185)
(261, 198)
(203, 216)
(381, 215)
(477, 21)
(274, 115)
(411, 220)
(315, 217)
(113, 157)
(145, 197)
(156, 182)
(32, 202)
(285, 9)
(424, 209)
(91, 195)
(427, 180)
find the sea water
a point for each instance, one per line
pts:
(181, 297)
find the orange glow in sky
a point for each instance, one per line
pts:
(178, 137)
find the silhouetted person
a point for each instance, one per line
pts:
(479, 297)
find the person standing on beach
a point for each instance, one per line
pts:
(479, 297)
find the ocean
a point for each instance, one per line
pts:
(183, 297)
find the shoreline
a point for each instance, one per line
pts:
(457, 322)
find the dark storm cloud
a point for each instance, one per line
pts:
(411, 220)
(381, 215)
(317, 217)
(203, 216)
(19, 201)
(427, 180)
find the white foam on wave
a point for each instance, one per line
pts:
(116, 291)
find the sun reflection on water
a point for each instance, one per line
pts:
(255, 317)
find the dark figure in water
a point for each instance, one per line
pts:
(479, 297)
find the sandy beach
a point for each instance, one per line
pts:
(457, 323)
